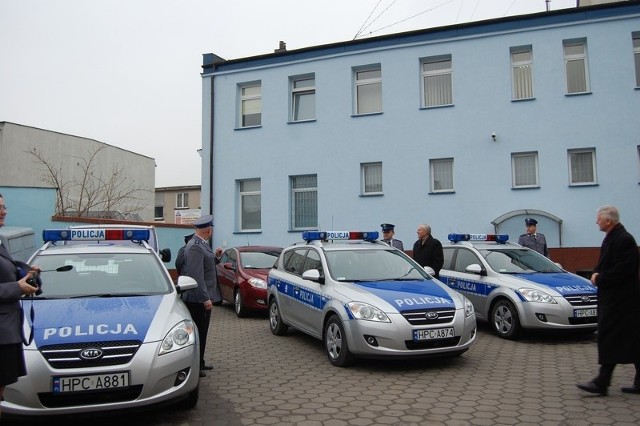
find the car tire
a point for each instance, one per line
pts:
(505, 320)
(335, 343)
(277, 326)
(238, 304)
(192, 399)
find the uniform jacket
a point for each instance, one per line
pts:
(429, 254)
(180, 260)
(618, 299)
(536, 242)
(10, 294)
(200, 264)
(395, 243)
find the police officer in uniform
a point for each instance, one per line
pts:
(200, 264)
(532, 239)
(180, 256)
(388, 231)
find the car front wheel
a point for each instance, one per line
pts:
(505, 321)
(238, 304)
(335, 343)
(276, 325)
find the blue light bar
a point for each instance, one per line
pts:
(95, 234)
(498, 238)
(339, 235)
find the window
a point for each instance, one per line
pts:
(522, 72)
(368, 91)
(304, 202)
(303, 99)
(524, 170)
(441, 175)
(636, 55)
(158, 213)
(182, 200)
(436, 81)
(575, 59)
(250, 204)
(251, 105)
(582, 166)
(371, 178)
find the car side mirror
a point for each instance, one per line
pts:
(186, 283)
(313, 275)
(165, 255)
(430, 270)
(474, 268)
(228, 265)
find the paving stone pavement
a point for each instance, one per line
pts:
(262, 379)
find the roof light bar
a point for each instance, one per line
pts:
(95, 234)
(339, 235)
(498, 238)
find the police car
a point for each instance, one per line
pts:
(363, 298)
(515, 288)
(108, 330)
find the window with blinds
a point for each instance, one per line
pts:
(304, 202)
(368, 91)
(371, 178)
(575, 59)
(524, 170)
(250, 200)
(441, 175)
(582, 166)
(251, 105)
(636, 55)
(436, 81)
(522, 73)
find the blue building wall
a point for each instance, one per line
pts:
(404, 137)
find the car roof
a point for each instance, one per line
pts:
(345, 244)
(93, 248)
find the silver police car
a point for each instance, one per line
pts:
(107, 331)
(363, 298)
(516, 288)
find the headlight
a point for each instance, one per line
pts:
(180, 336)
(367, 312)
(532, 295)
(257, 283)
(468, 307)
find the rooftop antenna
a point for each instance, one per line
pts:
(547, 4)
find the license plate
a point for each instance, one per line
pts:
(433, 334)
(581, 313)
(90, 382)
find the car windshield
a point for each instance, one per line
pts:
(517, 261)
(372, 265)
(103, 274)
(258, 259)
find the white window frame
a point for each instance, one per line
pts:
(576, 66)
(300, 191)
(182, 200)
(521, 161)
(303, 95)
(245, 197)
(369, 79)
(440, 77)
(635, 38)
(574, 156)
(521, 73)
(438, 185)
(371, 178)
(249, 100)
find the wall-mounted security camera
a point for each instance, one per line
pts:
(493, 136)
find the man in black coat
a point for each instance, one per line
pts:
(427, 251)
(618, 282)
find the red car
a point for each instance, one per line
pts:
(242, 276)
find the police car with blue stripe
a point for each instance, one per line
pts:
(107, 330)
(363, 298)
(515, 288)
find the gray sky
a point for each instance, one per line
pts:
(127, 72)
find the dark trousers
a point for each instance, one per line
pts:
(201, 317)
(606, 371)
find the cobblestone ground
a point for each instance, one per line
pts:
(262, 379)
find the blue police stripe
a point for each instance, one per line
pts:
(60, 321)
(563, 282)
(468, 286)
(406, 295)
(304, 295)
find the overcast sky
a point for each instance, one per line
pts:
(127, 72)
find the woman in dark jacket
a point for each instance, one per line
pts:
(12, 288)
(617, 279)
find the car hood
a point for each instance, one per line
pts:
(407, 295)
(258, 273)
(562, 282)
(92, 319)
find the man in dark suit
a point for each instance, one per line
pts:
(388, 231)
(427, 251)
(616, 277)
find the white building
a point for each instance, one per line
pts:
(469, 128)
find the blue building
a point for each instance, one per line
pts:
(469, 128)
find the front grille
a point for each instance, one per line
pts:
(582, 299)
(107, 396)
(431, 344)
(68, 355)
(420, 316)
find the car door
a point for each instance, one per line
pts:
(311, 295)
(472, 285)
(227, 277)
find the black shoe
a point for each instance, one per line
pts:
(206, 367)
(591, 387)
(203, 374)
(631, 389)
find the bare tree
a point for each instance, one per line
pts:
(89, 189)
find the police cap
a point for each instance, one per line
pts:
(387, 226)
(530, 221)
(188, 237)
(203, 221)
